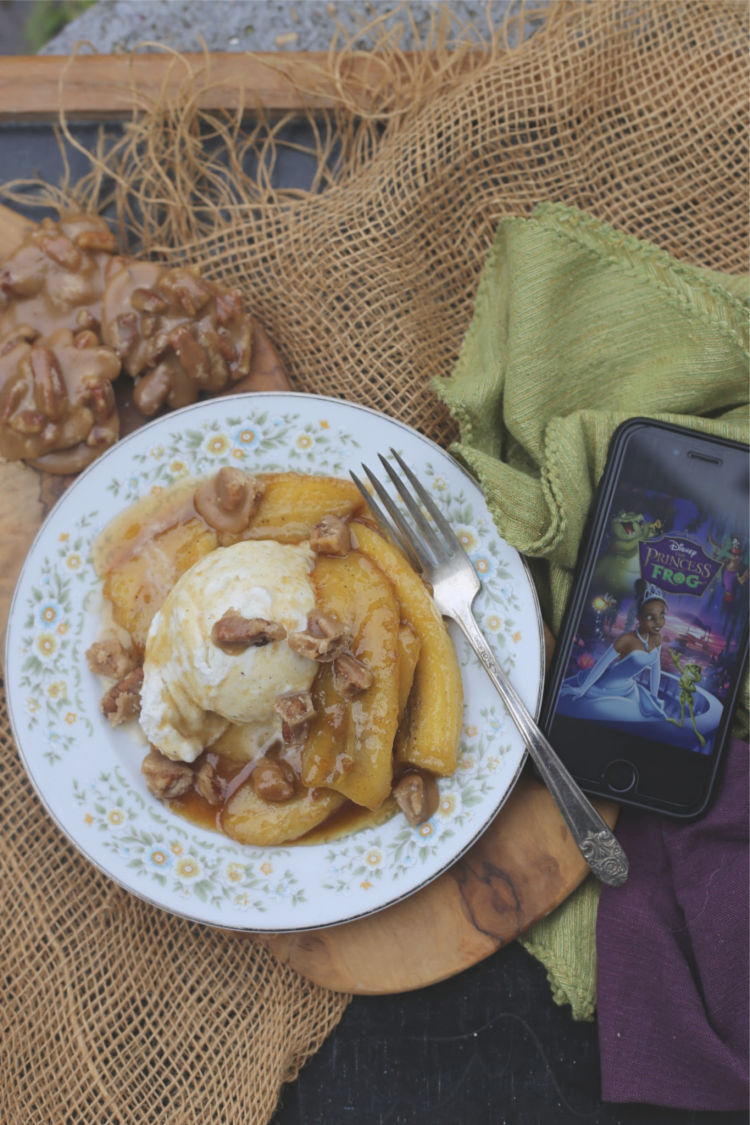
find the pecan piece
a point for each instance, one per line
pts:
(165, 778)
(124, 332)
(85, 338)
(296, 711)
(191, 355)
(49, 385)
(324, 639)
(350, 676)
(228, 500)
(330, 536)
(14, 396)
(213, 349)
(148, 301)
(234, 633)
(109, 657)
(61, 250)
(152, 391)
(208, 783)
(28, 422)
(85, 320)
(228, 306)
(98, 394)
(417, 796)
(97, 238)
(123, 700)
(273, 780)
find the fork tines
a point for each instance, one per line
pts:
(426, 542)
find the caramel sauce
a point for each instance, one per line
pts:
(195, 808)
(346, 820)
(126, 535)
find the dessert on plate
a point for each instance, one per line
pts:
(285, 664)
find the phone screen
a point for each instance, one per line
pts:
(653, 654)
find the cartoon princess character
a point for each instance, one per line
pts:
(611, 688)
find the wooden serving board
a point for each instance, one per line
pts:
(524, 865)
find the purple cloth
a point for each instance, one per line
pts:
(672, 951)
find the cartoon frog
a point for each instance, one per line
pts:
(690, 673)
(619, 567)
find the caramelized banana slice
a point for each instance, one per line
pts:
(293, 503)
(249, 819)
(436, 703)
(139, 586)
(350, 745)
(409, 646)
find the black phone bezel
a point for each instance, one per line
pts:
(689, 773)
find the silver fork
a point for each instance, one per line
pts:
(433, 548)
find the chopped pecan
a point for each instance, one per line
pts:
(228, 500)
(331, 536)
(324, 639)
(417, 796)
(214, 349)
(96, 238)
(49, 386)
(85, 320)
(60, 249)
(98, 394)
(273, 780)
(123, 333)
(350, 676)
(165, 778)
(296, 711)
(85, 338)
(208, 783)
(228, 306)
(234, 633)
(15, 392)
(191, 355)
(152, 391)
(123, 700)
(27, 422)
(187, 288)
(109, 657)
(148, 301)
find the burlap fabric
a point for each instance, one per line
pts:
(633, 111)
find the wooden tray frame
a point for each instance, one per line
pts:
(100, 87)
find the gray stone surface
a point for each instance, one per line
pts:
(260, 25)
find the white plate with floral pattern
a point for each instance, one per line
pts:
(88, 775)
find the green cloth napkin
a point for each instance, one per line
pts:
(577, 327)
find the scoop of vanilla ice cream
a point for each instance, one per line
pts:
(193, 689)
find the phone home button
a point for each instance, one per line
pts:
(620, 776)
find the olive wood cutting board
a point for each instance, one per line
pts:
(523, 866)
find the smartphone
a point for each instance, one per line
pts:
(652, 649)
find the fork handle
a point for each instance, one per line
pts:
(596, 842)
